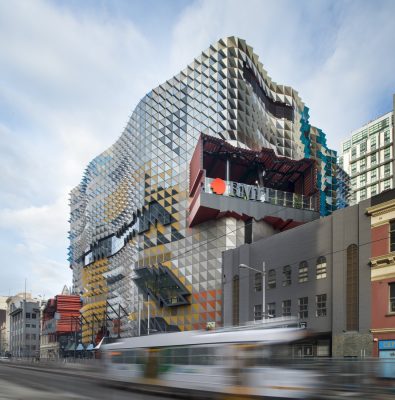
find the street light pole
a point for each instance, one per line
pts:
(263, 272)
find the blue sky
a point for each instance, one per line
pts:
(71, 72)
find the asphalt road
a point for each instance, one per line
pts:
(29, 384)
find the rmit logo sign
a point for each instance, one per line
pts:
(218, 186)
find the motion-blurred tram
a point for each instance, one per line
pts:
(255, 362)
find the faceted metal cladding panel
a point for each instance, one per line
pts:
(226, 93)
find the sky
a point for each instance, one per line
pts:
(71, 73)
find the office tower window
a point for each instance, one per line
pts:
(28, 315)
(271, 310)
(321, 268)
(373, 190)
(286, 308)
(387, 137)
(392, 235)
(387, 170)
(303, 303)
(362, 148)
(320, 301)
(362, 179)
(271, 279)
(387, 184)
(236, 299)
(354, 152)
(391, 287)
(387, 153)
(258, 282)
(287, 280)
(303, 272)
(34, 316)
(362, 194)
(352, 291)
(373, 159)
(373, 175)
(257, 312)
(362, 165)
(373, 143)
(354, 182)
(353, 168)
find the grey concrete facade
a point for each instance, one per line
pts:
(329, 237)
(24, 314)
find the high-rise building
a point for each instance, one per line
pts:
(131, 229)
(368, 158)
(343, 195)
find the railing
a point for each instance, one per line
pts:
(265, 195)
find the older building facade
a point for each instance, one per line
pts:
(24, 319)
(129, 215)
(382, 212)
(318, 272)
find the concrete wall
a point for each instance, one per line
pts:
(329, 237)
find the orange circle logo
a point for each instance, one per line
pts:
(218, 186)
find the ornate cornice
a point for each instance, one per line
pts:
(381, 208)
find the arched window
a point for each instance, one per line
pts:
(303, 272)
(352, 284)
(236, 299)
(321, 268)
(271, 279)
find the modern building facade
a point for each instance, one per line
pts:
(24, 314)
(343, 195)
(318, 272)
(130, 216)
(382, 212)
(368, 158)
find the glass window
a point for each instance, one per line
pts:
(271, 310)
(271, 279)
(257, 312)
(362, 194)
(353, 182)
(258, 282)
(387, 170)
(373, 190)
(27, 315)
(353, 168)
(373, 143)
(387, 137)
(321, 268)
(287, 275)
(362, 148)
(303, 272)
(387, 184)
(286, 308)
(392, 235)
(391, 297)
(362, 179)
(27, 325)
(34, 316)
(303, 303)
(362, 165)
(354, 152)
(387, 153)
(373, 159)
(373, 175)
(320, 300)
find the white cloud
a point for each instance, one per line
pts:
(69, 80)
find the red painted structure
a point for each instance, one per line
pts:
(210, 159)
(61, 315)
